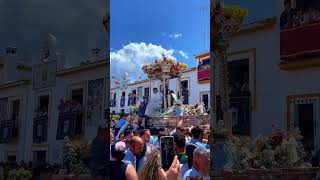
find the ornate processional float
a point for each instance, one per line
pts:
(164, 69)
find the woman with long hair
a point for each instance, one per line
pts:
(152, 169)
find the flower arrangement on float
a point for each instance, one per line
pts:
(187, 110)
(155, 68)
(279, 150)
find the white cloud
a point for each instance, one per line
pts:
(183, 54)
(132, 56)
(175, 35)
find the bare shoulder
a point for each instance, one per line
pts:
(131, 173)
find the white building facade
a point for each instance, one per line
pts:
(24, 88)
(193, 90)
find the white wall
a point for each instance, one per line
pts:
(195, 89)
(20, 145)
(273, 84)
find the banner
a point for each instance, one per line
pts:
(300, 28)
(40, 129)
(66, 125)
(95, 102)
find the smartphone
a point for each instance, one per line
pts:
(167, 151)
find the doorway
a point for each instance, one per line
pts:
(305, 113)
(205, 100)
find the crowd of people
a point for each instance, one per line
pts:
(135, 152)
(300, 16)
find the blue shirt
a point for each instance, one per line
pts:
(121, 122)
(130, 158)
(192, 173)
(199, 144)
(142, 110)
(179, 111)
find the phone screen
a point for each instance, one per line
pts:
(167, 151)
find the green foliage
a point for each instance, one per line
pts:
(115, 116)
(19, 174)
(73, 154)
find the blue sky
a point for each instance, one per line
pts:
(179, 28)
(141, 30)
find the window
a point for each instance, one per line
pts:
(43, 105)
(133, 97)
(185, 91)
(240, 96)
(205, 99)
(77, 96)
(114, 100)
(146, 92)
(123, 98)
(4, 109)
(15, 116)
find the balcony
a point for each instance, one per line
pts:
(204, 74)
(300, 47)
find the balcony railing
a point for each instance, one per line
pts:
(300, 42)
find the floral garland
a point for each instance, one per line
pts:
(155, 68)
(279, 150)
(187, 110)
